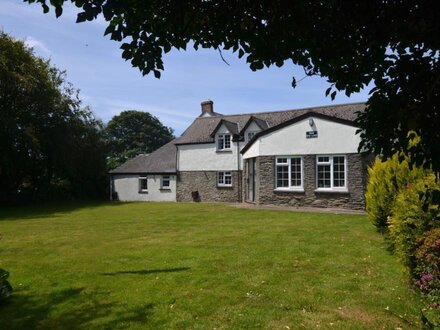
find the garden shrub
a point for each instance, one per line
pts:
(427, 275)
(385, 179)
(427, 259)
(413, 214)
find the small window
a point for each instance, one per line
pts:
(165, 182)
(289, 173)
(331, 173)
(143, 184)
(224, 141)
(250, 135)
(224, 179)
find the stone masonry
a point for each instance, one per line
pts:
(353, 199)
(205, 184)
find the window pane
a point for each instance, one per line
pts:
(228, 178)
(282, 176)
(220, 142)
(221, 177)
(143, 183)
(324, 176)
(227, 138)
(338, 171)
(166, 181)
(323, 159)
(281, 160)
(295, 172)
(250, 135)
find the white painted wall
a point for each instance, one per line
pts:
(333, 138)
(127, 187)
(205, 157)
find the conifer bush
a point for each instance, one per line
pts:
(385, 179)
(413, 214)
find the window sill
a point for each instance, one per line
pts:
(224, 151)
(224, 186)
(143, 191)
(165, 189)
(332, 191)
(292, 190)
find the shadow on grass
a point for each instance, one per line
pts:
(37, 211)
(148, 271)
(69, 309)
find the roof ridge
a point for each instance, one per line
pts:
(287, 110)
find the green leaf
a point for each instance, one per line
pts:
(58, 11)
(81, 17)
(293, 82)
(328, 90)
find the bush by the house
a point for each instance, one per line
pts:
(5, 287)
(413, 214)
(427, 275)
(403, 202)
(386, 178)
(427, 259)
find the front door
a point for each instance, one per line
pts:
(251, 180)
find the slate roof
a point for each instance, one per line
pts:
(200, 131)
(161, 161)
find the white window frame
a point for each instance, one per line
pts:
(289, 166)
(141, 190)
(221, 178)
(330, 162)
(221, 139)
(165, 178)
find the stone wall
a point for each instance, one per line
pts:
(205, 183)
(353, 199)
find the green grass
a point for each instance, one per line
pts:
(198, 266)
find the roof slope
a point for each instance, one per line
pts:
(201, 129)
(162, 160)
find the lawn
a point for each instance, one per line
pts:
(198, 266)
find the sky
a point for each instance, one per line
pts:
(109, 84)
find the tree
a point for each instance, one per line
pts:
(133, 132)
(394, 44)
(50, 145)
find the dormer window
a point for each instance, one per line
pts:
(250, 135)
(224, 142)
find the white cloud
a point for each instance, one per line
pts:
(37, 45)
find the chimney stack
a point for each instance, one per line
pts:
(207, 108)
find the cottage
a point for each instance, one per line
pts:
(303, 157)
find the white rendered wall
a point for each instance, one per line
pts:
(206, 157)
(127, 187)
(333, 138)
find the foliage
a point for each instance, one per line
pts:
(50, 145)
(410, 219)
(5, 287)
(427, 274)
(199, 266)
(392, 44)
(427, 259)
(133, 132)
(385, 179)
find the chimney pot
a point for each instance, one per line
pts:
(207, 107)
